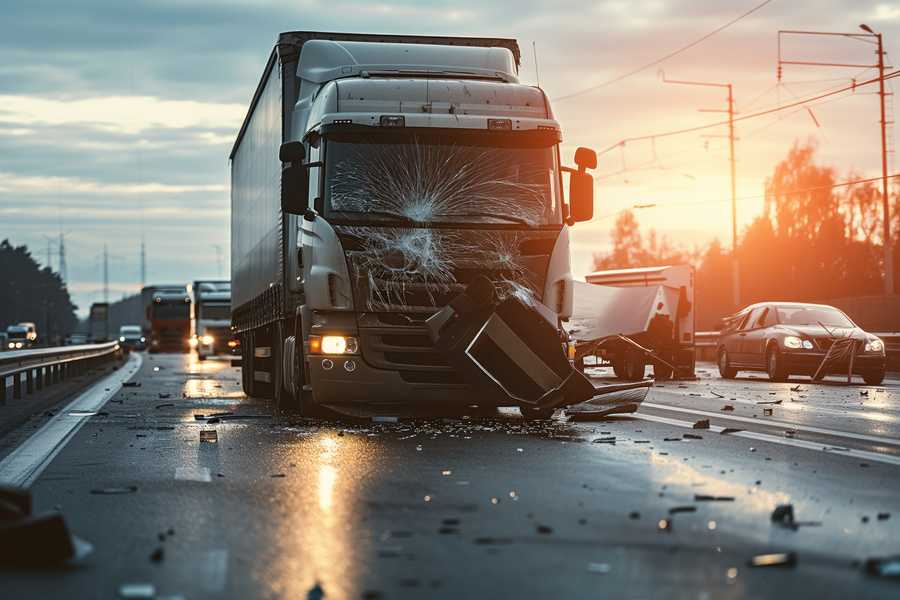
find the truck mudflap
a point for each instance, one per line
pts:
(510, 348)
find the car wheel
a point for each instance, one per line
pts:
(874, 378)
(775, 365)
(726, 371)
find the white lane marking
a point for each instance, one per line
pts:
(773, 439)
(24, 464)
(214, 570)
(193, 473)
(766, 421)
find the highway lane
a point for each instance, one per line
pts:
(484, 507)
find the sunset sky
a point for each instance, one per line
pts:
(116, 118)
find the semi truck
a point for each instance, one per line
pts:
(167, 318)
(98, 323)
(373, 178)
(210, 317)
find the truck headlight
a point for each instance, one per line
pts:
(333, 344)
(192, 342)
(792, 341)
(875, 345)
(207, 340)
(121, 338)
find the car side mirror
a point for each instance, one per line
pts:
(294, 178)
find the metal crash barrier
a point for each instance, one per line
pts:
(46, 366)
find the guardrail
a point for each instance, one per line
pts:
(706, 342)
(45, 366)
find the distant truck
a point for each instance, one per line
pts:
(372, 179)
(210, 317)
(652, 306)
(98, 323)
(132, 338)
(167, 318)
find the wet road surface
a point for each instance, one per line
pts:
(472, 506)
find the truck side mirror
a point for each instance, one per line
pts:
(294, 178)
(581, 186)
(581, 196)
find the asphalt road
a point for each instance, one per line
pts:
(472, 506)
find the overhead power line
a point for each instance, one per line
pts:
(753, 115)
(662, 59)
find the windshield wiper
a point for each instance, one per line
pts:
(492, 216)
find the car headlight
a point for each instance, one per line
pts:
(792, 341)
(11, 345)
(807, 345)
(19, 344)
(333, 344)
(875, 345)
(143, 339)
(206, 339)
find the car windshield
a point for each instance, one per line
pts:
(219, 311)
(812, 315)
(443, 177)
(130, 330)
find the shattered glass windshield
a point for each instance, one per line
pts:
(422, 176)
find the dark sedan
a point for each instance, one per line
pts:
(790, 338)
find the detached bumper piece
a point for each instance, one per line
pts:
(28, 540)
(508, 349)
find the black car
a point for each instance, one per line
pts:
(791, 338)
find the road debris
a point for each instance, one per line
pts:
(682, 509)
(727, 408)
(727, 430)
(131, 384)
(797, 388)
(604, 440)
(35, 540)
(778, 559)
(701, 424)
(315, 592)
(114, 491)
(708, 498)
(664, 525)
(767, 412)
(209, 436)
(884, 516)
(137, 591)
(599, 568)
(157, 555)
(790, 433)
(716, 394)
(768, 402)
(691, 436)
(164, 405)
(888, 566)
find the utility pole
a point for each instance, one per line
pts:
(735, 265)
(873, 38)
(105, 273)
(143, 263)
(63, 269)
(49, 263)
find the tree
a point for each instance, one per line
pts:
(31, 293)
(631, 250)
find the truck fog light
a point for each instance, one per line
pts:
(327, 364)
(350, 366)
(207, 340)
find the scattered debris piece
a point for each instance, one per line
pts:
(315, 592)
(664, 525)
(796, 388)
(708, 498)
(634, 515)
(767, 412)
(863, 392)
(604, 440)
(728, 430)
(790, 433)
(544, 529)
(778, 559)
(727, 408)
(769, 402)
(600, 568)
(163, 396)
(137, 591)
(132, 384)
(682, 509)
(113, 491)
(157, 555)
(671, 439)
(883, 567)
(702, 424)
(716, 394)
(884, 516)
(164, 405)
(209, 436)
(277, 475)
(691, 436)
(784, 515)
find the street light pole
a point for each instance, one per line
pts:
(735, 265)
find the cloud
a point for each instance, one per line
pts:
(12, 183)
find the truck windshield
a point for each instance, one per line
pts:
(422, 176)
(171, 310)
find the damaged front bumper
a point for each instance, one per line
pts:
(806, 363)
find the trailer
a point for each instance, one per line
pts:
(374, 176)
(98, 323)
(631, 318)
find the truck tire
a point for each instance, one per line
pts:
(247, 363)
(298, 401)
(662, 372)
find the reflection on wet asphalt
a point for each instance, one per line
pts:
(467, 505)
